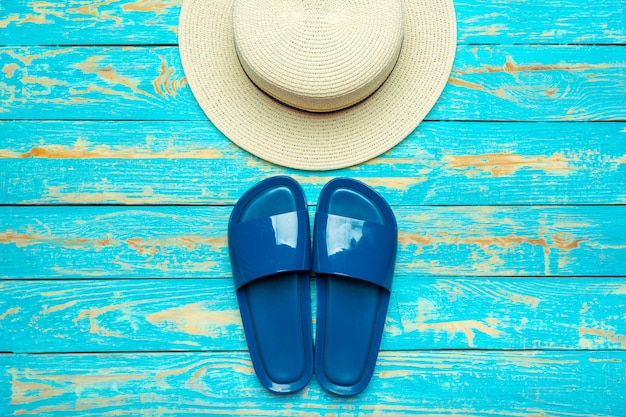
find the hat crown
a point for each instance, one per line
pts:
(318, 55)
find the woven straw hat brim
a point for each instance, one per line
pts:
(299, 139)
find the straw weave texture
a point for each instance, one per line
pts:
(322, 56)
(285, 135)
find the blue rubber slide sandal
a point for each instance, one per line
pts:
(354, 251)
(270, 251)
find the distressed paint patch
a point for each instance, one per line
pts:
(25, 391)
(620, 290)
(10, 312)
(153, 246)
(97, 271)
(110, 76)
(10, 19)
(96, 89)
(532, 359)
(532, 302)
(17, 20)
(164, 85)
(29, 59)
(399, 184)
(425, 311)
(43, 81)
(489, 259)
(153, 6)
(605, 360)
(95, 319)
(92, 12)
(196, 319)
(504, 164)
(144, 196)
(511, 67)
(86, 150)
(488, 30)
(466, 84)
(9, 70)
(59, 307)
(560, 241)
(468, 328)
(600, 337)
(243, 367)
(22, 240)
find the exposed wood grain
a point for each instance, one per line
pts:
(425, 313)
(450, 383)
(440, 164)
(545, 22)
(140, 22)
(89, 22)
(94, 83)
(92, 242)
(504, 82)
(543, 83)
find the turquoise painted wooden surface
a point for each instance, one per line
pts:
(115, 291)
(202, 315)
(84, 22)
(488, 82)
(435, 383)
(450, 163)
(168, 242)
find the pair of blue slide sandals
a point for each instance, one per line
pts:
(353, 257)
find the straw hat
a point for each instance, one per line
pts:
(317, 84)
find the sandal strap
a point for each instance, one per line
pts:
(354, 248)
(269, 245)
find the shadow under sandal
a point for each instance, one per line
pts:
(354, 251)
(269, 245)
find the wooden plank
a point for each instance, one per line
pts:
(141, 22)
(89, 22)
(545, 22)
(449, 163)
(504, 82)
(434, 383)
(425, 313)
(535, 83)
(95, 83)
(169, 242)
